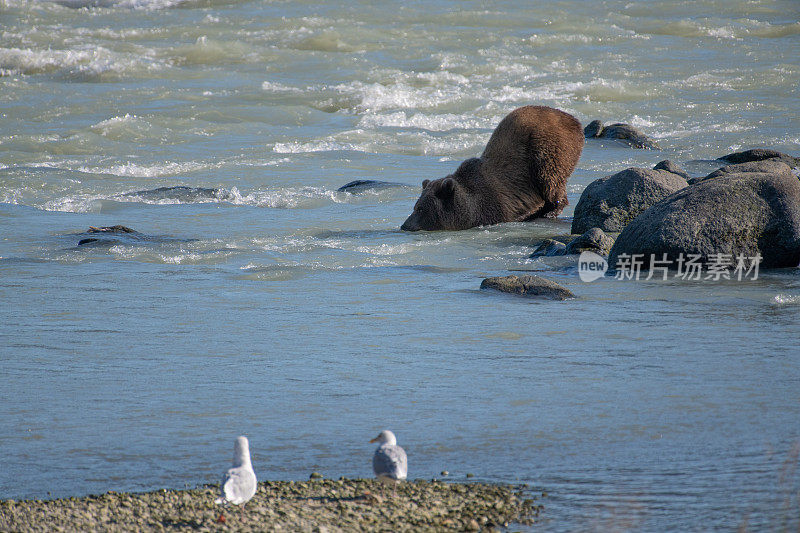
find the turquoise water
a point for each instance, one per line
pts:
(277, 307)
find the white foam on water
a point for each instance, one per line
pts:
(210, 51)
(385, 249)
(604, 90)
(323, 145)
(84, 60)
(724, 32)
(562, 93)
(707, 79)
(786, 299)
(135, 170)
(274, 87)
(537, 38)
(146, 5)
(514, 69)
(430, 122)
(403, 142)
(462, 144)
(114, 124)
(377, 97)
(641, 122)
(725, 29)
(289, 198)
(74, 204)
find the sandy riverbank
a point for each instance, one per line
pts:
(317, 505)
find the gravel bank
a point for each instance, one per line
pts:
(314, 506)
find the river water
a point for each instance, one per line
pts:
(259, 300)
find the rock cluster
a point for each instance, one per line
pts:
(318, 505)
(748, 208)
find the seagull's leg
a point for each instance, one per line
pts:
(242, 509)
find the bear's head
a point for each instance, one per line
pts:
(446, 203)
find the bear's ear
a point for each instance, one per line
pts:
(447, 189)
(425, 183)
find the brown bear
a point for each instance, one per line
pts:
(522, 174)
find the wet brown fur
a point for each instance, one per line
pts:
(522, 174)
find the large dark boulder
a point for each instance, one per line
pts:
(768, 166)
(761, 154)
(610, 203)
(624, 133)
(737, 213)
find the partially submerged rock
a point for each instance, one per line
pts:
(358, 186)
(536, 286)
(611, 203)
(106, 230)
(111, 229)
(621, 132)
(106, 236)
(325, 505)
(549, 248)
(744, 214)
(594, 240)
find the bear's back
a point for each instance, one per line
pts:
(534, 146)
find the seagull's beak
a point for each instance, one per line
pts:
(375, 439)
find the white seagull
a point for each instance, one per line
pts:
(389, 463)
(239, 483)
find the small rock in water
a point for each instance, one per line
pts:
(358, 186)
(111, 229)
(594, 240)
(549, 248)
(315, 475)
(536, 286)
(593, 129)
(445, 473)
(470, 475)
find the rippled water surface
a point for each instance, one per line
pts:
(257, 299)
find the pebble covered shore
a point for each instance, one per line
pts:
(314, 506)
